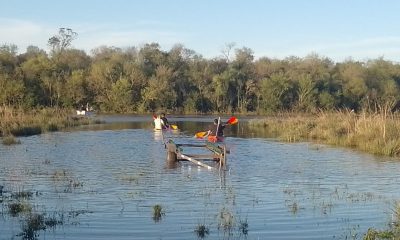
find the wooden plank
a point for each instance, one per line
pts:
(203, 156)
(180, 155)
(190, 145)
(214, 148)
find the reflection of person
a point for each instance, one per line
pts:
(158, 135)
(165, 121)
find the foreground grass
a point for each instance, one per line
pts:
(393, 231)
(372, 133)
(18, 122)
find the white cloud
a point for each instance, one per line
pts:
(23, 33)
(92, 39)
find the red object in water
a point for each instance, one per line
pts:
(215, 139)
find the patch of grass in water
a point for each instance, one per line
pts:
(393, 232)
(130, 178)
(202, 231)
(158, 212)
(20, 207)
(76, 213)
(10, 140)
(226, 220)
(26, 131)
(36, 222)
(243, 227)
(373, 234)
(31, 226)
(22, 195)
(59, 175)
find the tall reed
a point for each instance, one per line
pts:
(376, 133)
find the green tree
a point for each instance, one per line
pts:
(306, 93)
(159, 94)
(12, 91)
(177, 59)
(120, 97)
(242, 71)
(8, 58)
(351, 76)
(201, 75)
(221, 96)
(137, 81)
(38, 71)
(275, 92)
(76, 90)
(150, 57)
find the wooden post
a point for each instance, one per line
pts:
(171, 156)
(224, 158)
(171, 151)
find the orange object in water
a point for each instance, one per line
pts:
(215, 139)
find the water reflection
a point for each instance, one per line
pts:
(158, 135)
(106, 179)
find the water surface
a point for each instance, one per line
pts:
(104, 180)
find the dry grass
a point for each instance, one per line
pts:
(19, 122)
(10, 140)
(373, 133)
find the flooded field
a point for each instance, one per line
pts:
(111, 181)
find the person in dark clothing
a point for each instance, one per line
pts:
(165, 121)
(217, 129)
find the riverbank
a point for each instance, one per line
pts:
(19, 122)
(372, 133)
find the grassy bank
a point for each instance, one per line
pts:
(372, 133)
(18, 122)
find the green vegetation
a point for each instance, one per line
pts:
(202, 231)
(19, 207)
(21, 195)
(158, 212)
(32, 224)
(394, 228)
(243, 227)
(373, 133)
(146, 78)
(33, 220)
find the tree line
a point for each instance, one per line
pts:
(146, 79)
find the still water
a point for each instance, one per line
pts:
(102, 182)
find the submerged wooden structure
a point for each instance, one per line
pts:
(217, 154)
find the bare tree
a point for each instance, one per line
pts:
(226, 51)
(60, 42)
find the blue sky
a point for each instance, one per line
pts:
(338, 29)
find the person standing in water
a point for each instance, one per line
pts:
(216, 132)
(158, 123)
(165, 121)
(161, 122)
